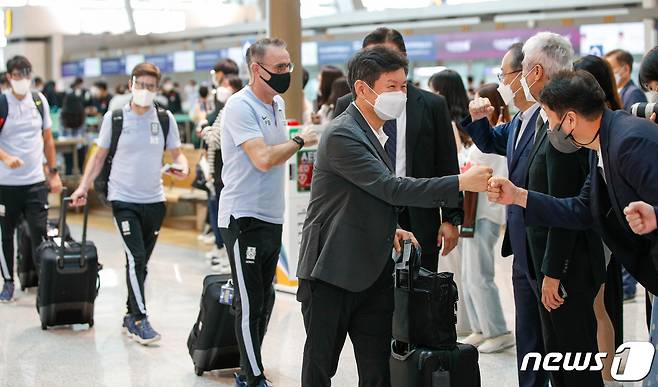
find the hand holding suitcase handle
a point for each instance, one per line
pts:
(62, 223)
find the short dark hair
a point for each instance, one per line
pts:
(203, 91)
(148, 69)
(18, 62)
(101, 85)
(649, 68)
(622, 56)
(369, 64)
(574, 90)
(517, 56)
(38, 80)
(235, 82)
(385, 35)
(226, 66)
(257, 50)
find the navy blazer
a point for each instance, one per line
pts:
(500, 140)
(631, 94)
(629, 146)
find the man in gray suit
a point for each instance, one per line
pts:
(345, 267)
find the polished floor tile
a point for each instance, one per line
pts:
(81, 357)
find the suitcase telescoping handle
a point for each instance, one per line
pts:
(62, 223)
(407, 262)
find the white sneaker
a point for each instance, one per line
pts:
(474, 339)
(497, 344)
(215, 252)
(208, 239)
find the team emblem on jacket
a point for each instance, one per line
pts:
(251, 255)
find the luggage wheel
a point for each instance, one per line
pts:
(91, 323)
(198, 371)
(44, 326)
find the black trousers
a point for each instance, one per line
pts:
(330, 313)
(572, 328)
(253, 248)
(17, 202)
(139, 227)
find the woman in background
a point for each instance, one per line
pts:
(448, 83)
(328, 74)
(480, 293)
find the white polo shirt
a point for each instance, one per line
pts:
(247, 191)
(136, 175)
(22, 137)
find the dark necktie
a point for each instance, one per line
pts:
(391, 130)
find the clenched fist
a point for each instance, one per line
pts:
(475, 179)
(480, 108)
(641, 217)
(13, 162)
(501, 191)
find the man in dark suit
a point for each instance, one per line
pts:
(422, 144)
(621, 62)
(622, 171)
(514, 140)
(345, 266)
(565, 262)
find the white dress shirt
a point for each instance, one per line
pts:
(401, 145)
(379, 133)
(600, 164)
(525, 120)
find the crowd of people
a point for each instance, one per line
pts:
(549, 157)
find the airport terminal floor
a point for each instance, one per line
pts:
(76, 356)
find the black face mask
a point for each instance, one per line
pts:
(278, 82)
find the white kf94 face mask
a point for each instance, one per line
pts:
(390, 105)
(143, 97)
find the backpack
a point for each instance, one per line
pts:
(73, 111)
(4, 109)
(101, 182)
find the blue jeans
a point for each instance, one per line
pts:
(630, 283)
(213, 210)
(480, 291)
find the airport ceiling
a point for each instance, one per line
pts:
(107, 25)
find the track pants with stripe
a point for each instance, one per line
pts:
(253, 248)
(139, 227)
(17, 202)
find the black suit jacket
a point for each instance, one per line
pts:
(352, 215)
(574, 257)
(431, 152)
(629, 146)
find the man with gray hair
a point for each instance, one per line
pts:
(515, 141)
(568, 267)
(255, 147)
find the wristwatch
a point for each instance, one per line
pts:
(299, 141)
(53, 171)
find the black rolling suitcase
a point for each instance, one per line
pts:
(425, 367)
(25, 267)
(69, 281)
(212, 343)
(28, 272)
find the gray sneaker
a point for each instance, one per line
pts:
(7, 293)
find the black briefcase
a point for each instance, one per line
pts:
(68, 278)
(212, 343)
(425, 367)
(425, 303)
